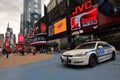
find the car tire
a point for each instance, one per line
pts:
(113, 56)
(92, 61)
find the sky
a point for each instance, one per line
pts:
(10, 11)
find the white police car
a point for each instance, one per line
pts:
(89, 53)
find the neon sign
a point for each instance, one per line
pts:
(81, 8)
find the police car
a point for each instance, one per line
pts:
(89, 53)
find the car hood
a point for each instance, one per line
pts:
(77, 51)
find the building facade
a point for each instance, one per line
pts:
(10, 38)
(75, 21)
(1, 40)
(31, 14)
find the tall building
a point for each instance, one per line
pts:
(1, 40)
(10, 37)
(31, 14)
(21, 24)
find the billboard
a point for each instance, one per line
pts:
(84, 22)
(20, 38)
(7, 44)
(43, 28)
(51, 30)
(60, 26)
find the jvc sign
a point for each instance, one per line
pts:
(83, 7)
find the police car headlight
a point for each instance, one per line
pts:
(79, 55)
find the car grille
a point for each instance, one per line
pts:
(68, 55)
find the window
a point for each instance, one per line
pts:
(36, 16)
(41, 38)
(36, 1)
(36, 11)
(29, 4)
(35, 21)
(86, 46)
(34, 39)
(36, 6)
(103, 44)
(29, 9)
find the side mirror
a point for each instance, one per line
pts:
(99, 47)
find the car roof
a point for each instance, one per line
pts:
(92, 42)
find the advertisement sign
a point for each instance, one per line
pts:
(84, 22)
(43, 28)
(60, 26)
(8, 34)
(7, 44)
(82, 8)
(89, 19)
(20, 38)
(51, 30)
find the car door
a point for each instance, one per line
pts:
(107, 50)
(100, 51)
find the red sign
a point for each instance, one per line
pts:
(90, 19)
(84, 22)
(83, 7)
(43, 28)
(7, 44)
(20, 38)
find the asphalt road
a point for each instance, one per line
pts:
(53, 70)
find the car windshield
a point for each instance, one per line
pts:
(86, 46)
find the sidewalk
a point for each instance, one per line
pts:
(16, 60)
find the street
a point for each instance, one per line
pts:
(53, 69)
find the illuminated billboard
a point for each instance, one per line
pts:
(84, 22)
(20, 38)
(43, 28)
(60, 26)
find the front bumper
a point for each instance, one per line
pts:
(83, 60)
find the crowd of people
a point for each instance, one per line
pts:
(6, 51)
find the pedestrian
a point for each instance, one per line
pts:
(33, 50)
(52, 50)
(7, 50)
(23, 50)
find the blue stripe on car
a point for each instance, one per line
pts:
(105, 54)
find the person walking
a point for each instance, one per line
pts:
(7, 50)
(33, 50)
(52, 50)
(23, 51)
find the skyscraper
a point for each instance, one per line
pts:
(10, 37)
(31, 14)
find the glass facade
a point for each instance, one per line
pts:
(31, 8)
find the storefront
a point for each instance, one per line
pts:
(57, 34)
(39, 39)
(96, 22)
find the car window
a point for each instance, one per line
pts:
(86, 46)
(103, 44)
